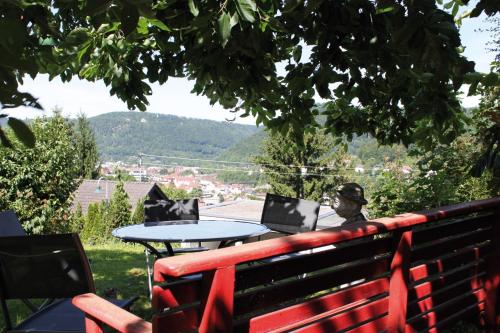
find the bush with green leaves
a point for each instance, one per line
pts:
(37, 182)
(174, 193)
(441, 177)
(96, 229)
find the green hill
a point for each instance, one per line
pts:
(244, 150)
(123, 135)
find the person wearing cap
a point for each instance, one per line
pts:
(348, 201)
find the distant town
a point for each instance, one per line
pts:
(212, 190)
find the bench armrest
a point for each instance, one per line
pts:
(99, 311)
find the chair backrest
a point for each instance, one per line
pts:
(163, 210)
(43, 266)
(289, 215)
(10, 225)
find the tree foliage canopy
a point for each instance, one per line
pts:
(390, 68)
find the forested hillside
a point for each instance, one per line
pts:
(120, 135)
(243, 150)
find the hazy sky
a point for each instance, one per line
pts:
(175, 98)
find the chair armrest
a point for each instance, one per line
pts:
(100, 310)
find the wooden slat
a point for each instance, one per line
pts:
(399, 282)
(347, 320)
(450, 245)
(217, 303)
(278, 293)
(259, 274)
(454, 227)
(374, 326)
(438, 298)
(440, 312)
(441, 285)
(315, 307)
(474, 312)
(445, 263)
(492, 279)
(98, 310)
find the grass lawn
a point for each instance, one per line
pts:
(119, 271)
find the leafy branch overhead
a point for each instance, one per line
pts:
(390, 68)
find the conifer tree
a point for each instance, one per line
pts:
(307, 173)
(138, 214)
(119, 208)
(86, 146)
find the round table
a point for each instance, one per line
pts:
(225, 231)
(190, 231)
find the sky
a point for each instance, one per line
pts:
(174, 97)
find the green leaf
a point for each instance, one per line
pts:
(473, 88)
(448, 5)
(455, 9)
(22, 131)
(224, 28)
(290, 5)
(192, 8)
(159, 24)
(142, 26)
(297, 53)
(14, 35)
(77, 37)
(129, 17)
(234, 20)
(490, 79)
(94, 7)
(246, 9)
(384, 10)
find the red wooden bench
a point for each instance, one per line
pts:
(417, 272)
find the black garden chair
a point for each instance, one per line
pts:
(46, 267)
(157, 211)
(289, 215)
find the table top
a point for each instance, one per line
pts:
(199, 231)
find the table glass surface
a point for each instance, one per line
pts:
(202, 231)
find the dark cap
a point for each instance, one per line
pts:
(353, 192)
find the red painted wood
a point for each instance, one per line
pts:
(447, 298)
(452, 245)
(209, 260)
(441, 286)
(306, 310)
(440, 265)
(166, 298)
(452, 228)
(99, 310)
(375, 326)
(439, 314)
(492, 279)
(259, 274)
(217, 304)
(398, 290)
(279, 292)
(92, 325)
(450, 320)
(322, 324)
